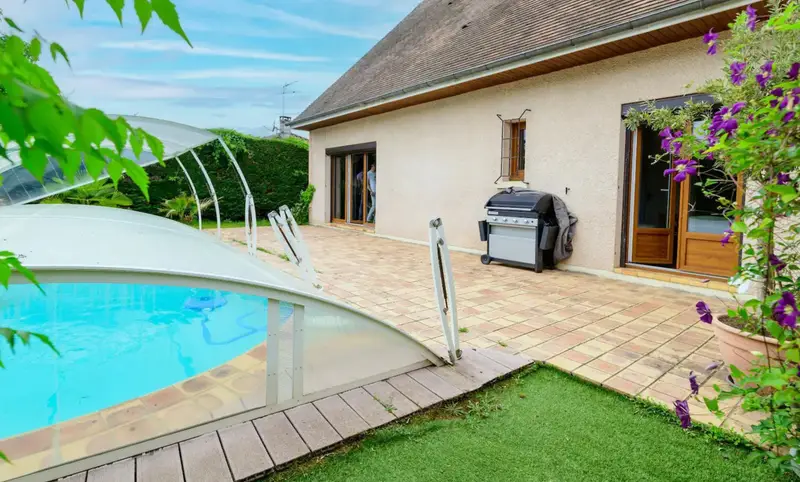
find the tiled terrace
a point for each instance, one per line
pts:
(636, 339)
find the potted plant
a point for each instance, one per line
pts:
(752, 137)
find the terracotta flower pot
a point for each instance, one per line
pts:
(737, 346)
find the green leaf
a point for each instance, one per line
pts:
(787, 193)
(12, 24)
(12, 124)
(155, 145)
(166, 11)
(2, 455)
(79, 4)
(35, 48)
(56, 49)
(137, 174)
(95, 163)
(5, 273)
(752, 304)
(739, 227)
(117, 6)
(137, 142)
(114, 170)
(28, 274)
(712, 404)
(793, 355)
(773, 379)
(774, 329)
(736, 373)
(109, 126)
(144, 11)
(44, 339)
(35, 161)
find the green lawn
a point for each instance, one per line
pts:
(549, 427)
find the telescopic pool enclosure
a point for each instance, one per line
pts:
(164, 331)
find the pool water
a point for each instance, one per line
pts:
(117, 342)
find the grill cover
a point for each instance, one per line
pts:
(536, 201)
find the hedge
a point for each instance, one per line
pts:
(276, 171)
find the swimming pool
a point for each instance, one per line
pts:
(117, 342)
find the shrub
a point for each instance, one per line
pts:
(301, 209)
(276, 171)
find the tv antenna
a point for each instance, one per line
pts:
(284, 93)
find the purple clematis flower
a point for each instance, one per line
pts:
(794, 71)
(784, 178)
(724, 120)
(683, 168)
(785, 100)
(704, 311)
(785, 311)
(788, 117)
(765, 75)
(710, 39)
(693, 383)
(669, 142)
(778, 263)
(728, 234)
(752, 16)
(682, 411)
(738, 75)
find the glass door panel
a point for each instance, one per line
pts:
(702, 224)
(371, 187)
(338, 188)
(357, 188)
(653, 203)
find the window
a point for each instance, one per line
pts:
(513, 155)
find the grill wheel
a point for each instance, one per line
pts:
(485, 259)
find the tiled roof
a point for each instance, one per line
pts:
(441, 39)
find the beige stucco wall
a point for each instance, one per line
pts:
(441, 159)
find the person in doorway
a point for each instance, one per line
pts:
(371, 180)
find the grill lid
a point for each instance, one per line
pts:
(519, 199)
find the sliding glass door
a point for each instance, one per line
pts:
(353, 188)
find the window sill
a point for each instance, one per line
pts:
(508, 184)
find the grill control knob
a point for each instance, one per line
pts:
(515, 221)
(505, 220)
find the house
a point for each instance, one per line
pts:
(466, 97)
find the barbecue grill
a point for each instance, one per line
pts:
(520, 228)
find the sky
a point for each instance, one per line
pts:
(244, 52)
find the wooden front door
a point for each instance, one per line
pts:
(653, 204)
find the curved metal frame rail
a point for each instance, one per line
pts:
(445, 288)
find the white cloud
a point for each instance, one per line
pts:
(176, 46)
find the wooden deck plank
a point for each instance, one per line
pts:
(283, 442)
(414, 391)
(456, 379)
(343, 418)
(393, 401)
(246, 454)
(122, 471)
(370, 410)
(74, 478)
(203, 459)
(312, 426)
(435, 383)
(478, 367)
(509, 360)
(160, 466)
